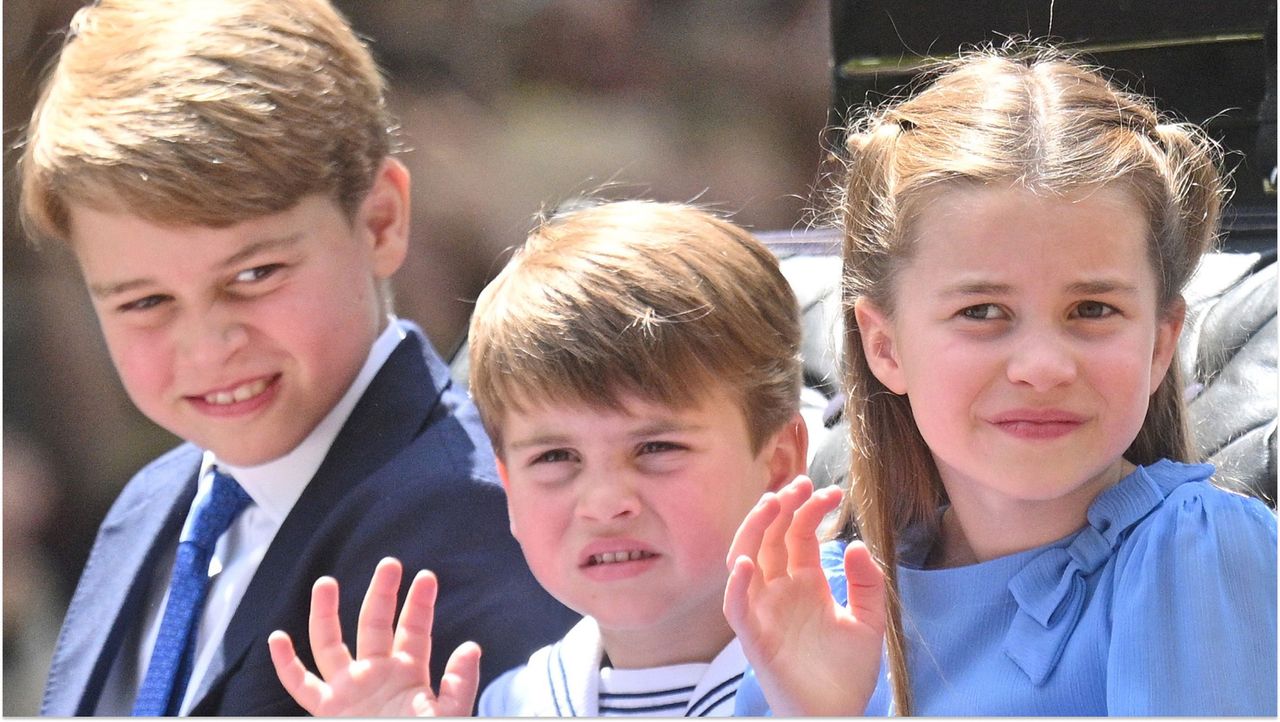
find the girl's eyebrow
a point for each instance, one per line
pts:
(1086, 288)
(1100, 287)
(976, 288)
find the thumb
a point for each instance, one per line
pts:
(460, 681)
(865, 585)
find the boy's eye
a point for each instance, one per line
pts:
(144, 303)
(257, 273)
(1094, 309)
(553, 456)
(982, 312)
(657, 447)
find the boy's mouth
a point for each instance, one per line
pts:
(617, 557)
(243, 392)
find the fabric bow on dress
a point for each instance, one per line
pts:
(1051, 590)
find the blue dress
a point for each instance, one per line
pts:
(1163, 604)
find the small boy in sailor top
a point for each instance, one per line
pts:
(637, 366)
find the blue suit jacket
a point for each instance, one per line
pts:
(411, 475)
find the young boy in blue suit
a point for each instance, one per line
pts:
(638, 368)
(221, 171)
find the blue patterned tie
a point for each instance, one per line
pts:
(166, 681)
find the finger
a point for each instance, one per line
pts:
(865, 586)
(750, 534)
(332, 656)
(304, 687)
(378, 611)
(803, 550)
(772, 559)
(413, 634)
(737, 596)
(460, 681)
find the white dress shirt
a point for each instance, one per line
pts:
(274, 487)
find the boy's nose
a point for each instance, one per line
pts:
(608, 498)
(212, 338)
(1042, 360)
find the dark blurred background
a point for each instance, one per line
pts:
(506, 107)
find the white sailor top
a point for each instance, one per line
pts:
(563, 680)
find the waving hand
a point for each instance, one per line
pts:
(390, 674)
(811, 655)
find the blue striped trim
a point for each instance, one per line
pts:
(711, 707)
(693, 708)
(655, 693)
(650, 708)
(553, 655)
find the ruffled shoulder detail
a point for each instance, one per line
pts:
(1050, 589)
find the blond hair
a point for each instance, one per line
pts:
(654, 300)
(203, 112)
(1024, 116)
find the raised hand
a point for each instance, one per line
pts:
(812, 656)
(390, 674)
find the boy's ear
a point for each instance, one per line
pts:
(789, 455)
(502, 474)
(879, 345)
(383, 217)
(506, 486)
(1168, 330)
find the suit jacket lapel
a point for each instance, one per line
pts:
(109, 598)
(390, 413)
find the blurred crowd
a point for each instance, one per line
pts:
(505, 109)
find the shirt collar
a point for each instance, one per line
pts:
(276, 485)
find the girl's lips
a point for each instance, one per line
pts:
(1037, 416)
(1037, 424)
(1029, 430)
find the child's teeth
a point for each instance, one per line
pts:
(615, 557)
(240, 393)
(248, 391)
